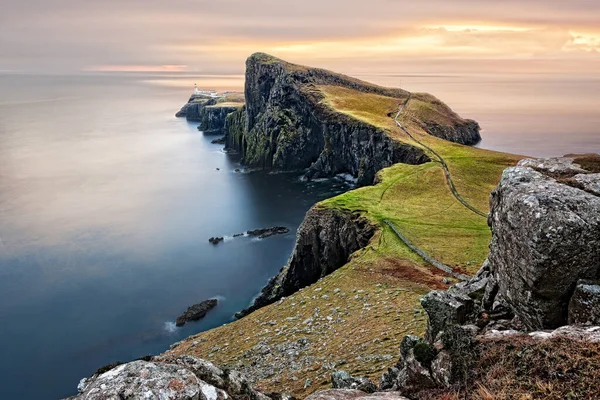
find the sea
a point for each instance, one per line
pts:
(107, 202)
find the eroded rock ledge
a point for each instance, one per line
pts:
(324, 242)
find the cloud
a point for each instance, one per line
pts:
(216, 36)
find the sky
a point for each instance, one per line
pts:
(354, 36)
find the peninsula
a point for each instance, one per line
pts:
(384, 271)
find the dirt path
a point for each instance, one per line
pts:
(441, 160)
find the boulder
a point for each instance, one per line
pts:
(143, 380)
(557, 167)
(343, 380)
(414, 377)
(445, 308)
(196, 312)
(584, 307)
(441, 369)
(588, 182)
(173, 378)
(545, 238)
(350, 394)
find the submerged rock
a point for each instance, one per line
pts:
(196, 312)
(266, 232)
(215, 240)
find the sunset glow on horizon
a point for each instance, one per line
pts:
(202, 37)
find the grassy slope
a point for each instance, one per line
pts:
(379, 289)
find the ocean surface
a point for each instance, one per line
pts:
(107, 202)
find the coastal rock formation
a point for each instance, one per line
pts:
(196, 312)
(183, 378)
(267, 232)
(324, 242)
(211, 113)
(286, 126)
(546, 237)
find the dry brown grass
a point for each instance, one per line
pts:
(525, 368)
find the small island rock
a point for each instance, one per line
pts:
(196, 312)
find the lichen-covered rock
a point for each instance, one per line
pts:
(351, 394)
(414, 377)
(584, 307)
(588, 182)
(343, 380)
(557, 167)
(324, 242)
(143, 380)
(441, 369)
(546, 237)
(181, 378)
(445, 308)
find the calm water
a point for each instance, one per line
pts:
(107, 202)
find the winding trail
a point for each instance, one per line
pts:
(396, 230)
(424, 255)
(441, 160)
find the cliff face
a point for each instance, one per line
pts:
(324, 243)
(287, 127)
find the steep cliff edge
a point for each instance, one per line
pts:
(211, 112)
(291, 125)
(324, 243)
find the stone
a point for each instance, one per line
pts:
(557, 167)
(441, 369)
(266, 232)
(343, 380)
(445, 308)
(389, 379)
(215, 240)
(143, 380)
(196, 312)
(545, 238)
(350, 394)
(414, 377)
(588, 182)
(584, 306)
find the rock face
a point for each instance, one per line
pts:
(211, 115)
(546, 237)
(584, 307)
(324, 242)
(184, 378)
(196, 312)
(286, 127)
(343, 380)
(352, 394)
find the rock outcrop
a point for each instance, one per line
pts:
(324, 242)
(183, 378)
(287, 126)
(196, 312)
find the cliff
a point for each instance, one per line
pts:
(211, 113)
(291, 125)
(324, 243)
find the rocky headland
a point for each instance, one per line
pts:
(358, 312)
